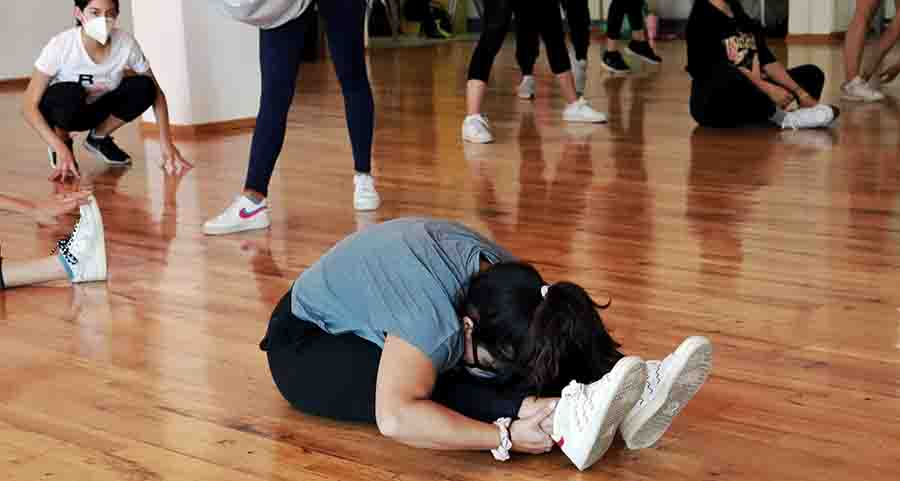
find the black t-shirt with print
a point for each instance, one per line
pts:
(714, 38)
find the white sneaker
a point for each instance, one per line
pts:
(242, 215)
(83, 253)
(671, 383)
(475, 129)
(587, 416)
(581, 111)
(858, 90)
(526, 88)
(579, 71)
(816, 117)
(365, 197)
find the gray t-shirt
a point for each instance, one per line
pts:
(401, 278)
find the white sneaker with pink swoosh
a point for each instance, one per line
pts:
(242, 215)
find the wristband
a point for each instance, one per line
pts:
(502, 451)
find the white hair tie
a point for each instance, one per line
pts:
(544, 291)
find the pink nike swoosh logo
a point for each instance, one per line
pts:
(245, 214)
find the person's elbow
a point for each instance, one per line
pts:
(390, 423)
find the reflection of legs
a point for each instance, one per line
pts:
(25, 273)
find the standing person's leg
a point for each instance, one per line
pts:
(132, 98)
(550, 21)
(495, 24)
(612, 58)
(318, 373)
(887, 42)
(856, 88)
(280, 52)
(344, 25)
(578, 16)
(527, 47)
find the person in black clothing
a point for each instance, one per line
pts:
(738, 81)
(639, 46)
(578, 16)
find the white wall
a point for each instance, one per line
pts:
(207, 64)
(30, 24)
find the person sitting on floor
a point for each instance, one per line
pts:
(737, 80)
(445, 341)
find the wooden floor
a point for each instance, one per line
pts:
(782, 247)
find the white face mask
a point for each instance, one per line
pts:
(99, 29)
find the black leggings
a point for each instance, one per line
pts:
(527, 43)
(334, 376)
(65, 106)
(725, 97)
(280, 53)
(541, 15)
(617, 11)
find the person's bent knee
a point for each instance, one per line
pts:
(138, 94)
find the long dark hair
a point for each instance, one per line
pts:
(544, 342)
(82, 4)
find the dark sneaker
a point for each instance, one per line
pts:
(51, 154)
(106, 150)
(615, 63)
(643, 51)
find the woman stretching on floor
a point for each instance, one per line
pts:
(441, 338)
(95, 78)
(737, 80)
(541, 14)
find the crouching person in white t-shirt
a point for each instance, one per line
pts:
(94, 78)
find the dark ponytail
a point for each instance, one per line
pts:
(82, 4)
(540, 341)
(567, 340)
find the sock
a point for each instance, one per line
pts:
(778, 117)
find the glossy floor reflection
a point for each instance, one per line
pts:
(780, 246)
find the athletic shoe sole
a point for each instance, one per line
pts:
(627, 381)
(366, 206)
(474, 140)
(691, 364)
(641, 57)
(613, 70)
(255, 224)
(525, 96)
(92, 212)
(582, 120)
(99, 155)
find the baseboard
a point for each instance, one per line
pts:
(228, 127)
(14, 84)
(815, 38)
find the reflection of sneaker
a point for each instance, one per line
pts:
(858, 90)
(106, 150)
(51, 154)
(242, 215)
(670, 385)
(365, 197)
(819, 139)
(587, 416)
(816, 117)
(579, 71)
(83, 253)
(615, 63)
(643, 51)
(475, 129)
(526, 88)
(581, 111)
